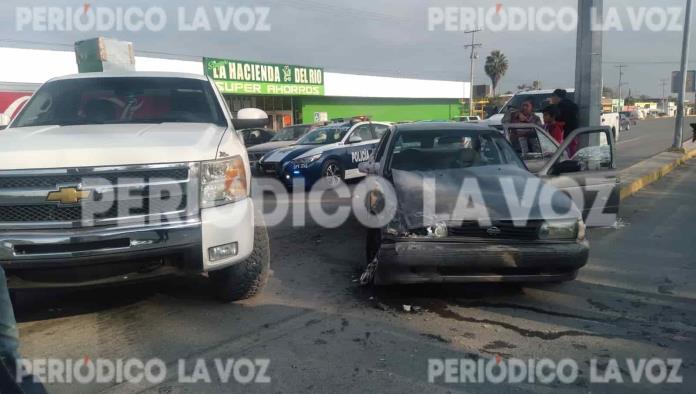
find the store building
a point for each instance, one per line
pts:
(290, 94)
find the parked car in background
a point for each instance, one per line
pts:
(452, 245)
(256, 136)
(284, 137)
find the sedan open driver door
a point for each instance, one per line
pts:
(589, 176)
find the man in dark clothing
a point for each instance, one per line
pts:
(568, 110)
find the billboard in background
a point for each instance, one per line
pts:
(249, 78)
(690, 81)
(10, 105)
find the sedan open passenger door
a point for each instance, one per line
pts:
(584, 167)
(532, 143)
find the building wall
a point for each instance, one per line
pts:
(380, 109)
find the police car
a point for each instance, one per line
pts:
(332, 151)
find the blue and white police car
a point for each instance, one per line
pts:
(332, 151)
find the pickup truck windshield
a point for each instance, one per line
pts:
(113, 100)
(539, 100)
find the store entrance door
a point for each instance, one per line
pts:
(280, 119)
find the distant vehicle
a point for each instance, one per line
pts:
(256, 136)
(542, 98)
(332, 151)
(467, 118)
(285, 137)
(450, 245)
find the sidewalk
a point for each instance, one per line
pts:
(648, 171)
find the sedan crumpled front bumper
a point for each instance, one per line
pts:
(405, 260)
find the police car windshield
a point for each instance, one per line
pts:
(324, 135)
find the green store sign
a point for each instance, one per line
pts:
(236, 77)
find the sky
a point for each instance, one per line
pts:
(383, 37)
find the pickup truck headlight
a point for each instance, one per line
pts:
(223, 182)
(305, 161)
(562, 230)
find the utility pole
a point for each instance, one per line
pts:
(472, 57)
(621, 73)
(679, 124)
(664, 98)
(588, 63)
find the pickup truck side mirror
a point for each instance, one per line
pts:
(566, 167)
(249, 118)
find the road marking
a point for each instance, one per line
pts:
(628, 140)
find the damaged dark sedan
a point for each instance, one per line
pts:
(467, 209)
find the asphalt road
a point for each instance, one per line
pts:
(324, 333)
(648, 138)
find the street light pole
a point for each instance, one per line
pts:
(472, 57)
(588, 63)
(679, 124)
(620, 67)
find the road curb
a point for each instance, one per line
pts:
(648, 171)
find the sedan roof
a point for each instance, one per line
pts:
(440, 126)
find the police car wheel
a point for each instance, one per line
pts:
(332, 172)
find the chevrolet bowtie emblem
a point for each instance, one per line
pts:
(68, 195)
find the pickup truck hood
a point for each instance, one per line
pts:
(107, 145)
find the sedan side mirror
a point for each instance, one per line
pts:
(566, 167)
(368, 167)
(249, 118)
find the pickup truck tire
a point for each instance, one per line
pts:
(246, 279)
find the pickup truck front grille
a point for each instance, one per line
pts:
(108, 195)
(55, 213)
(50, 181)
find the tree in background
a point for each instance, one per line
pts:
(496, 67)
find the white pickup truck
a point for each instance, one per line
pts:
(113, 177)
(541, 99)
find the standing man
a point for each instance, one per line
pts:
(568, 110)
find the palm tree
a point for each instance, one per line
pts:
(496, 67)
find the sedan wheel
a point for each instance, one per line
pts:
(333, 173)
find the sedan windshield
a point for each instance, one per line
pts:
(111, 100)
(324, 135)
(451, 149)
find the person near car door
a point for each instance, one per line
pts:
(553, 126)
(568, 111)
(525, 114)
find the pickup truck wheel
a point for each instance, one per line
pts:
(246, 279)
